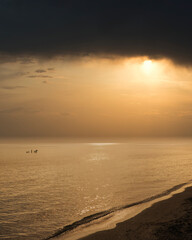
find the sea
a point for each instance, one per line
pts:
(69, 182)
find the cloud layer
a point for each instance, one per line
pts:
(126, 28)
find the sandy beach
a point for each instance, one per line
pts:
(169, 219)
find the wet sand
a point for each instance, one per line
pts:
(169, 219)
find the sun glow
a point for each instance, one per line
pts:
(147, 66)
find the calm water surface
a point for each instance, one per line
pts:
(64, 182)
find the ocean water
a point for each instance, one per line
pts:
(67, 181)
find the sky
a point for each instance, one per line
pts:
(95, 68)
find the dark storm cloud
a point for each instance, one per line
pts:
(128, 28)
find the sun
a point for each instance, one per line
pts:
(147, 63)
(147, 66)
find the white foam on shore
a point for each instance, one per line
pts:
(110, 221)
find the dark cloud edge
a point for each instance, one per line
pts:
(33, 58)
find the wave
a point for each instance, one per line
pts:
(102, 214)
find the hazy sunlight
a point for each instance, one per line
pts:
(147, 66)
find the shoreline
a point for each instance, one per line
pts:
(115, 217)
(169, 219)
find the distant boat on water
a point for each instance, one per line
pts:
(35, 151)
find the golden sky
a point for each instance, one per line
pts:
(95, 96)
